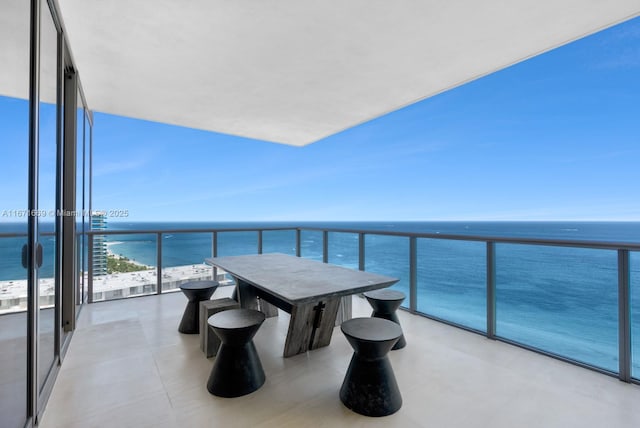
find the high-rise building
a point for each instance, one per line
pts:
(99, 222)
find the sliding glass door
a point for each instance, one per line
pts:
(14, 131)
(36, 248)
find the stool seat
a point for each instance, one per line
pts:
(236, 320)
(369, 387)
(196, 292)
(237, 369)
(385, 303)
(371, 337)
(386, 300)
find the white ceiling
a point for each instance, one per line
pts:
(295, 71)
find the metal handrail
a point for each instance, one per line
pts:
(603, 245)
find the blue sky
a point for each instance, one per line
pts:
(554, 138)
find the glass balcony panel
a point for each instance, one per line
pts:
(124, 265)
(311, 244)
(634, 262)
(279, 241)
(559, 300)
(183, 257)
(452, 281)
(343, 249)
(389, 255)
(237, 243)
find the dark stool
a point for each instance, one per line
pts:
(385, 303)
(196, 292)
(370, 387)
(237, 369)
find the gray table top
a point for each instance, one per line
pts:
(297, 280)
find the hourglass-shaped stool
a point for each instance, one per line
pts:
(196, 292)
(237, 369)
(370, 387)
(385, 303)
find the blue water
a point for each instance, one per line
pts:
(561, 300)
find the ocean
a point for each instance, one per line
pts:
(559, 299)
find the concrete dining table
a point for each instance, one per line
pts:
(309, 290)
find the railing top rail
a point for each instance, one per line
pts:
(23, 234)
(604, 245)
(632, 246)
(201, 230)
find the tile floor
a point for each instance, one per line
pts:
(127, 366)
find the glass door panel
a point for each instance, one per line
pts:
(47, 160)
(86, 215)
(14, 128)
(81, 225)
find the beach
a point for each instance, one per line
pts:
(13, 294)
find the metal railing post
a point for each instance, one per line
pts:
(298, 242)
(159, 263)
(413, 274)
(361, 254)
(214, 252)
(491, 290)
(624, 316)
(90, 268)
(259, 241)
(325, 246)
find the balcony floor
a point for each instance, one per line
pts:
(127, 365)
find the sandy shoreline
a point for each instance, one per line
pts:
(111, 253)
(13, 293)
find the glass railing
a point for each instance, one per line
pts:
(343, 249)
(182, 258)
(278, 241)
(560, 300)
(451, 281)
(311, 244)
(575, 300)
(121, 266)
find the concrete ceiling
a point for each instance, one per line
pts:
(296, 71)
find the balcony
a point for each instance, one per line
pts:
(297, 75)
(128, 366)
(127, 361)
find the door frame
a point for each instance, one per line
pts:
(37, 397)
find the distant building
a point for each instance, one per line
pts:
(99, 222)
